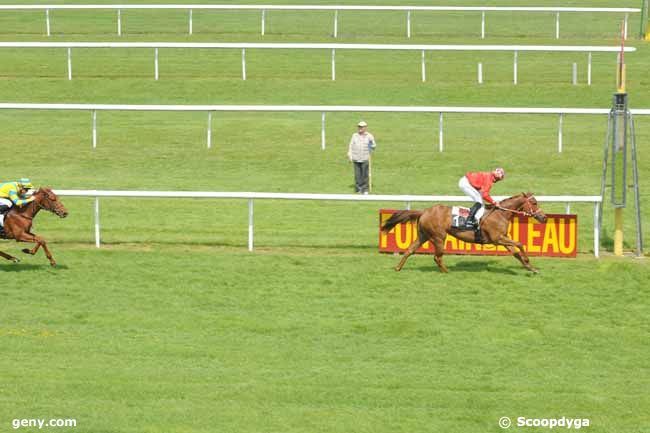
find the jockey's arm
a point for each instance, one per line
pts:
(18, 201)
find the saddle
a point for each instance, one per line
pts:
(459, 217)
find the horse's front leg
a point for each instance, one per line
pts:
(39, 241)
(520, 255)
(9, 257)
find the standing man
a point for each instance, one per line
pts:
(362, 144)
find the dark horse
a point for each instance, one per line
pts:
(18, 222)
(435, 222)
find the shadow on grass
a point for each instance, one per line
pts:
(493, 266)
(24, 267)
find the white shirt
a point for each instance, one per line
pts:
(360, 145)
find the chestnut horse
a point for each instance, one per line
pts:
(18, 222)
(434, 224)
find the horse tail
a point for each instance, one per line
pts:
(401, 217)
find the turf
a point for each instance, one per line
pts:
(172, 326)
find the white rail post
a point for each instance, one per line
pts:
(209, 129)
(119, 22)
(424, 70)
(625, 26)
(69, 64)
(589, 69)
(97, 239)
(190, 30)
(155, 61)
(47, 21)
(568, 208)
(250, 224)
(574, 74)
(243, 64)
(440, 135)
(480, 73)
(263, 22)
(408, 205)
(557, 25)
(559, 134)
(483, 25)
(596, 230)
(333, 64)
(408, 24)
(515, 69)
(336, 24)
(94, 129)
(322, 130)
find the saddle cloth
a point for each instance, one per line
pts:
(459, 215)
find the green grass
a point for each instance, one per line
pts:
(172, 326)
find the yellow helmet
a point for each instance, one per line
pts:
(25, 183)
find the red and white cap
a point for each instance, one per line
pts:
(499, 173)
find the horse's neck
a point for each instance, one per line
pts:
(513, 203)
(28, 211)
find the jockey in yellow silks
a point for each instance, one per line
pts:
(14, 194)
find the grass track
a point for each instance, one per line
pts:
(172, 330)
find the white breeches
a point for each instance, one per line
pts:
(6, 202)
(473, 193)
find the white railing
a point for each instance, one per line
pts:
(210, 109)
(251, 196)
(423, 49)
(335, 8)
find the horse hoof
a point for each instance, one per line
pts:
(26, 251)
(15, 260)
(53, 264)
(398, 269)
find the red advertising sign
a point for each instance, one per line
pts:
(557, 237)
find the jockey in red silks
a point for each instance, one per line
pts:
(477, 185)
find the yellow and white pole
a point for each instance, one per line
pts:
(620, 143)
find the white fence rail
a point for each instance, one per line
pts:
(243, 46)
(335, 8)
(251, 196)
(323, 109)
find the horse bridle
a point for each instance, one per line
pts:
(519, 212)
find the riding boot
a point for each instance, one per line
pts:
(471, 223)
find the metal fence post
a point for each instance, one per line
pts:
(483, 25)
(155, 55)
(47, 21)
(94, 129)
(596, 230)
(515, 69)
(69, 64)
(574, 74)
(480, 73)
(190, 23)
(250, 224)
(408, 24)
(559, 134)
(333, 64)
(243, 64)
(424, 70)
(440, 146)
(336, 24)
(589, 69)
(97, 239)
(263, 22)
(322, 130)
(119, 22)
(209, 129)
(557, 25)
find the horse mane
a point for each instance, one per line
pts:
(509, 201)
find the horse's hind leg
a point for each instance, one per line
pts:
(438, 247)
(9, 257)
(412, 249)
